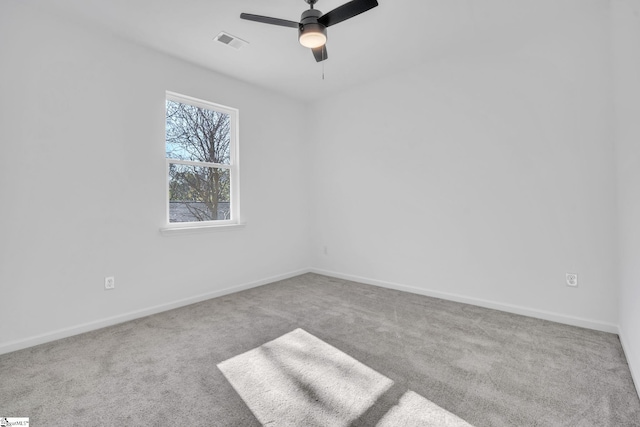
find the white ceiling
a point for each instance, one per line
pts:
(393, 36)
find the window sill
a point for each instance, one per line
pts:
(197, 229)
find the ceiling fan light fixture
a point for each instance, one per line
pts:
(313, 35)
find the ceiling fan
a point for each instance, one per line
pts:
(312, 28)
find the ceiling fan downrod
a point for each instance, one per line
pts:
(311, 2)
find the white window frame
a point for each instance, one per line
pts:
(233, 167)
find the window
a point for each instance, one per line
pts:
(202, 164)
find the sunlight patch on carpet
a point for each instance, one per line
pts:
(298, 379)
(415, 410)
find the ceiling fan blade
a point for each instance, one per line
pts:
(268, 20)
(346, 11)
(320, 53)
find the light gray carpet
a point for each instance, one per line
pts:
(486, 367)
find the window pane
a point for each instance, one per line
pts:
(197, 134)
(198, 193)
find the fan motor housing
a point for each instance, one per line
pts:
(310, 16)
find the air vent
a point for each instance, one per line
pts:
(229, 40)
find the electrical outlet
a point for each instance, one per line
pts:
(572, 279)
(109, 283)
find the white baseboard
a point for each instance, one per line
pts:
(632, 361)
(114, 320)
(509, 308)
(109, 321)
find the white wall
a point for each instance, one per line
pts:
(82, 179)
(626, 51)
(484, 177)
